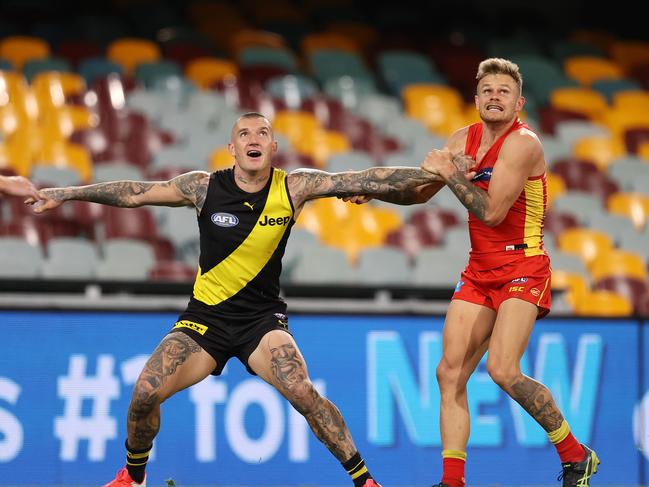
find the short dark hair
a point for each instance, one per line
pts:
(496, 65)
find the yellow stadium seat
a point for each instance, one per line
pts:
(256, 38)
(587, 243)
(328, 40)
(52, 87)
(618, 120)
(220, 159)
(295, 125)
(580, 100)
(643, 150)
(129, 52)
(634, 206)
(601, 150)
(205, 71)
(588, 69)
(572, 284)
(618, 263)
(387, 219)
(603, 303)
(631, 100)
(16, 93)
(20, 49)
(357, 231)
(62, 122)
(439, 107)
(321, 144)
(67, 155)
(630, 53)
(15, 156)
(556, 187)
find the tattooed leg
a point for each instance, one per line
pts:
(286, 370)
(162, 376)
(537, 400)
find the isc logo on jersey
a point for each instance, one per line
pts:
(224, 219)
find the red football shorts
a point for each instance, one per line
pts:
(527, 279)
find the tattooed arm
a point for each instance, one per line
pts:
(188, 189)
(521, 156)
(307, 184)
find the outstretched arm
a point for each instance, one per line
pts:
(187, 189)
(18, 186)
(307, 184)
(520, 157)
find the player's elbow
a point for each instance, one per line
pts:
(493, 219)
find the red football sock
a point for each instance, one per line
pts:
(567, 446)
(453, 464)
(570, 450)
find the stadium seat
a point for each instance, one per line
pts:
(629, 54)
(151, 73)
(630, 173)
(70, 258)
(172, 271)
(565, 48)
(578, 204)
(129, 52)
(19, 259)
(618, 263)
(384, 266)
(601, 150)
(206, 71)
(586, 243)
(556, 222)
(131, 223)
(20, 49)
(36, 66)
(579, 100)
(634, 206)
(323, 265)
(401, 68)
(327, 64)
(631, 288)
(439, 107)
(255, 38)
(634, 138)
(438, 267)
(220, 158)
(93, 69)
(586, 69)
(280, 57)
(125, 259)
(603, 304)
(610, 87)
(349, 90)
(317, 41)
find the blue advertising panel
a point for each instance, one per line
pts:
(641, 413)
(66, 379)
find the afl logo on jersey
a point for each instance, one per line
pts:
(224, 219)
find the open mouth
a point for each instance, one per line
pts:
(494, 108)
(253, 153)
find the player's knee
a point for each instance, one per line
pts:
(145, 398)
(448, 375)
(303, 396)
(502, 374)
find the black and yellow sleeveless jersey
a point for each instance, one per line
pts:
(242, 241)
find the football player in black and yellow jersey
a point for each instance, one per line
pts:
(245, 215)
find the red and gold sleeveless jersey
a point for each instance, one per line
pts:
(520, 234)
